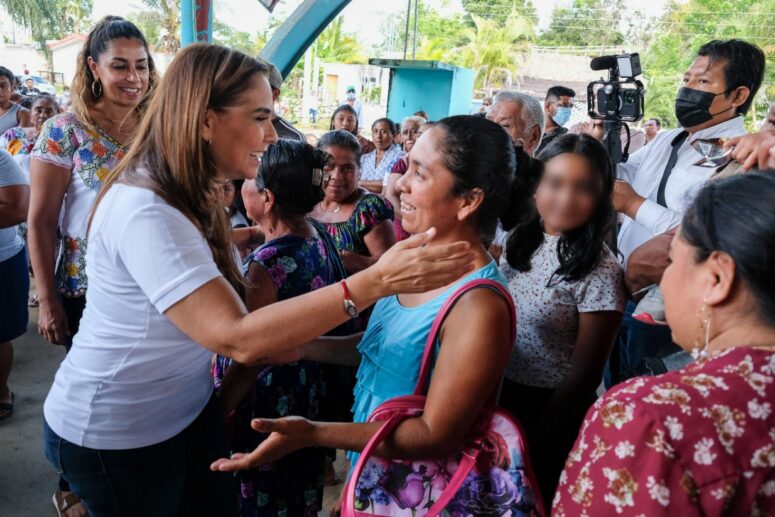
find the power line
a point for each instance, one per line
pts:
(524, 12)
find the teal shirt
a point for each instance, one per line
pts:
(394, 343)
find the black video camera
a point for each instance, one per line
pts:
(621, 97)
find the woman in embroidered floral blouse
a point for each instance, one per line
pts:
(71, 158)
(73, 155)
(360, 222)
(701, 440)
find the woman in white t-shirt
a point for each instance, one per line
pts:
(130, 420)
(569, 293)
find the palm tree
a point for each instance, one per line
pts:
(335, 46)
(168, 18)
(492, 49)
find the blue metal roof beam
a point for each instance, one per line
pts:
(299, 31)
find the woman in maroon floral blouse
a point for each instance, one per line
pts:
(701, 440)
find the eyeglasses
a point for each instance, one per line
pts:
(712, 151)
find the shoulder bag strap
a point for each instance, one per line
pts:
(430, 344)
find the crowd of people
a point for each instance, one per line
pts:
(235, 302)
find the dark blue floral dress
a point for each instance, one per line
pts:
(293, 485)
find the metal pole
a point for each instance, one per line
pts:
(414, 38)
(406, 30)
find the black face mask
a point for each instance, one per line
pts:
(692, 107)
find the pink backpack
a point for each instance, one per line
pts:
(491, 475)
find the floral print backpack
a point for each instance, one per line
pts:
(490, 476)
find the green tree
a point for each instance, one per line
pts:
(492, 49)
(336, 46)
(498, 10)
(441, 33)
(227, 36)
(585, 23)
(685, 27)
(167, 17)
(40, 16)
(50, 19)
(74, 16)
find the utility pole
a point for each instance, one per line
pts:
(414, 38)
(406, 30)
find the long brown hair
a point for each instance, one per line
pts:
(169, 155)
(107, 29)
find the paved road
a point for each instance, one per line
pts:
(27, 481)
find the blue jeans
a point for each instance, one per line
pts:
(636, 341)
(165, 479)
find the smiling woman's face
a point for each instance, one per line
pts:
(123, 71)
(240, 134)
(342, 172)
(426, 190)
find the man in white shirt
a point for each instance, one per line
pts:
(658, 182)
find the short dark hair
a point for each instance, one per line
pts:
(656, 121)
(555, 92)
(4, 72)
(349, 109)
(389, 123)
(344, 139)
(744, 65)
(288, 170)
(713, 223)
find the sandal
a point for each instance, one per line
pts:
(33, 302)
(6, 408)
(62, 502)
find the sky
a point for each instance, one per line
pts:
(360, 17)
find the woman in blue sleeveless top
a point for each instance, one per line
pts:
(459, 181)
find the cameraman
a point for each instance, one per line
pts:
(660, 180)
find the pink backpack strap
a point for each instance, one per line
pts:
(430, 343)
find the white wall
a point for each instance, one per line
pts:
(14, 57)
(66, 60)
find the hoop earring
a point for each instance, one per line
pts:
(700, 350)
(94, 92)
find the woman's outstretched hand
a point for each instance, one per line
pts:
(287, 435)
(415, 266)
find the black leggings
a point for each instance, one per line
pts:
(548, 446)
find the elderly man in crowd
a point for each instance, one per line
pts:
(522, 117)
